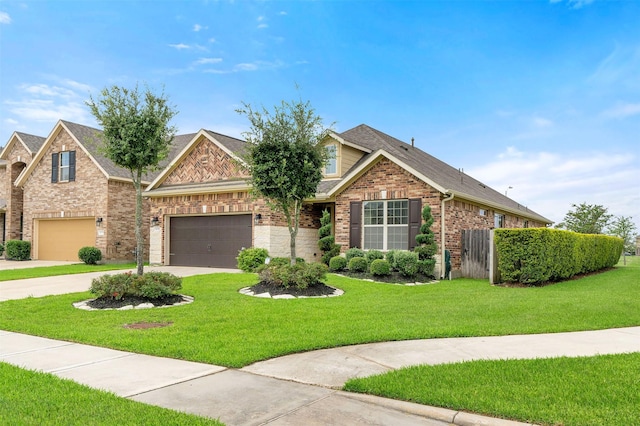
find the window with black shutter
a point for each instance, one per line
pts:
(63, 166)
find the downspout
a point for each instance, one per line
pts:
(447, 197)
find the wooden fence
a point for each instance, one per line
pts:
(476, 253)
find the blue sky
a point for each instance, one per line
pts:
(540, 96)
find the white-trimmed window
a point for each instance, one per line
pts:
(63, 173)
(386, 224)
(498, 220)
(331, 167)
(63, 166)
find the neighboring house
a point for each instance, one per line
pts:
(16, 155)
(69, 195)
(374, 186)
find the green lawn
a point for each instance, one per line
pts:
(49, 271)
(226, 328)
(33, 398)
(601, 390)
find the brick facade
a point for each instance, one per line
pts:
(90, 195)
(17, 160)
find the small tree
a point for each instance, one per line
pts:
(327, 242)
(285, 158)
(586, 219)
(624, 228)
(137, 136)
(427, 246)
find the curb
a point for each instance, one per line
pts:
(458, 418)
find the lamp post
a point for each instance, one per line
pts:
(507, 190)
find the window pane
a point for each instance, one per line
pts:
(373, 237)
(64, 159)
(398, 237)
(332, 165)
(397, 212)
(374, 213)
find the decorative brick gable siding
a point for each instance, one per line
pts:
(205, 163)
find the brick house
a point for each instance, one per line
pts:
(69, 195)
(374, 187)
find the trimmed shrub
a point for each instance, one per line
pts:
(374, 255)
(538, 255)
(90, 255)
(380, 267)
(1, 249)
(354, 252)
(427, 266)
(391, 258)
(407, 263)
(427, 246)
(152, 285)
(358, 264)
(18, 250)
(249, 259)
(337, 263)
(282, 261)
(300, 275)
(326, 241)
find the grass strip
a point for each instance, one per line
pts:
(34, 398)
(600, 390)
(226, 328)
(50, 271)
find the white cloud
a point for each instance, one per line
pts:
(198, 27)
(549, 182)
(246, 67)
(5, 18)
(574, 4)
(203, 61)
(541, 122)
(212, 40)
(282, 13)
(261, 26)
(623, 110)
(180, 46)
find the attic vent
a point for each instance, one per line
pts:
(404, 147)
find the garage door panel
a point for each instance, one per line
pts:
(208, 240)
(62, 238)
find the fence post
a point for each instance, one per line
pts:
(494, 273)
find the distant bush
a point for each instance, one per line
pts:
(249, 259)
(374, 255)
(18, 250)
(358, 264)
(354, 252)
(337, 263)
(380, 267)
(407, 263)
(90, 255)
(152, 285)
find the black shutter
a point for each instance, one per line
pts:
(355, 224)
(54, 167)
(415, 221)
(72, 166)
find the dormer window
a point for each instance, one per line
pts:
(331, 167)
(63, 166)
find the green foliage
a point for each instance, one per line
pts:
(372, 255)
(280, 261)
(586, 219)
(538, 255)
(18, 250)
(90, 255)
(136, 136)
(358, 264)
(427, 266)
(301, 275)
(151, 285)
(249, 259)
(380, 267)
(391, 258)
(327, 242)
(624, 228)
(337, 263)
(354, 252)
(427, 246)
(1, 249)
(407, 263)
(285, 158)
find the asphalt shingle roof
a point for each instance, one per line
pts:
(32, 142)
(438, 171)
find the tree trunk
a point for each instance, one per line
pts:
(139, 238)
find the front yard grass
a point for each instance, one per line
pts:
(602, 390)
(34, 398)
(226, 328)
(50, 271)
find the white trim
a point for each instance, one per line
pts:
(347, 143)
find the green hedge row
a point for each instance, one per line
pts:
(538, 255)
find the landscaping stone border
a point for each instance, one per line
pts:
(248, 292)
(84, 305)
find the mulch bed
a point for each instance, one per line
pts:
(108, 302)
(318, 289)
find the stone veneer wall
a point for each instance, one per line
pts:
(276, 240)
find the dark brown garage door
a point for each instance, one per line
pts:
(208, 240)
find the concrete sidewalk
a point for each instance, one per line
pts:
(63, 284)
(296, 389)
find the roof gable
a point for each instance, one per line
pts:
(31, 143)
(208, 156)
